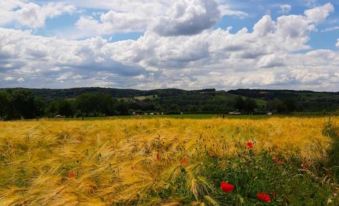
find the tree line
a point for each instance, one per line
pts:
(23, 104)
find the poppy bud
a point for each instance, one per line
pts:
(184, 162)
(71, 174)
(250, 145)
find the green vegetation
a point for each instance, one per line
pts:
(101, 102)
(284, 180)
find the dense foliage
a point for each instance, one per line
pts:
(84, 102)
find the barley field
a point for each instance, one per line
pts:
(164, 161)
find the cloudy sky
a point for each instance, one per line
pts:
(188, 44)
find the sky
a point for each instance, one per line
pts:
(186, 44)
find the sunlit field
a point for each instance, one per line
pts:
(164, 161)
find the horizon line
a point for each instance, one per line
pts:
(168, 88)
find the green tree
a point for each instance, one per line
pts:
(239, 104)
(61, 107)
(122, 108)
(95, 104)
(290, 104)
(23, 104)
(276, 105)
(4, 104)
(250, 105)
(66, 108)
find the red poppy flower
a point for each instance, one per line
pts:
(184, 162)
(250, 144)
(226, 187)
(71, 174)
(264, 197)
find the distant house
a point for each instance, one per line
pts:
(234, 113)
(59, 116)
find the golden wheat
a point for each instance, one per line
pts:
(110, 161)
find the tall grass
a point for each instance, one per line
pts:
(165, 162)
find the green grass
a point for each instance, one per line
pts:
(287, 183)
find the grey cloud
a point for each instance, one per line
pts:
(110, 66)
(251, 54)
(166, 18)
(42, 57)
(179, 17)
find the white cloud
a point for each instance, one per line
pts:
(177, 17)
(30, 14)
(48, 59)
(337, 43)
(187, 17)
(329, 29)
(111, 22)
(319, 14)
(9, 78)
(21, 79)
(264, 26)
(226, 10)
(273, 55)
(271, 60)
(285, 8)
(292, 31)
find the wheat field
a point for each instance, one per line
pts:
(128, 161)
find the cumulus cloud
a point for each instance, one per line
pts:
(112, 22)
(166, 18)
(337, 43)
(319, 14)
(274, 55)
(264, 26)
(292, 30)
(187, 17)
(30, 14)
(30, 57)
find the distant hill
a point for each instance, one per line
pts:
(254, 93)
(51, 94)
(271, 94)
(308, 100)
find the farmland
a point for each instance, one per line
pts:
(170, 161)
